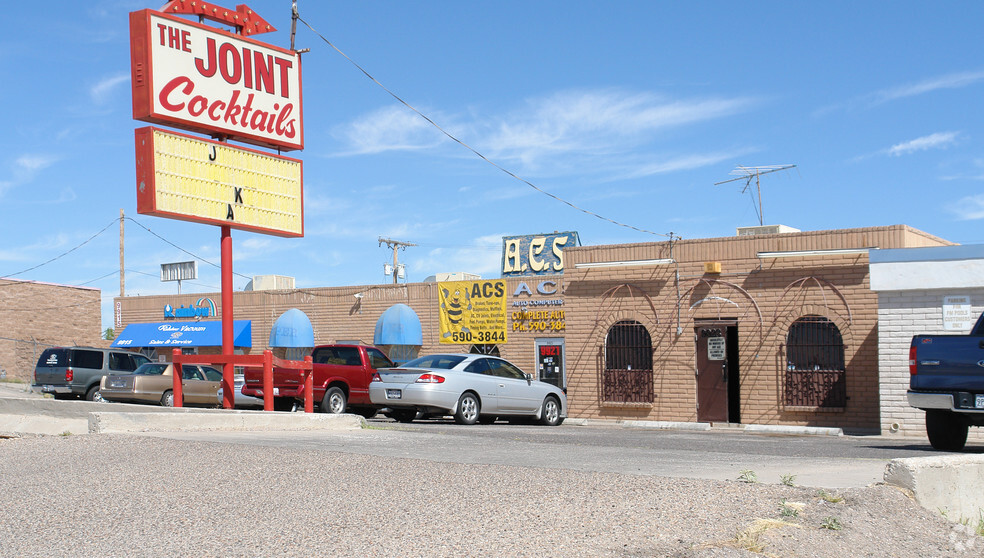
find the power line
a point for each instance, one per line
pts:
(193, 255)
(63, 254)
(465, 145)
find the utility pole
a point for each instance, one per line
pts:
(394, 245)
(122, 280)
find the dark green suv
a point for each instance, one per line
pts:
(75, 372)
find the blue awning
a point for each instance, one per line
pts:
(399, 325)
(292, 329)
(183, 334)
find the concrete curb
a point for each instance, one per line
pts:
(705, 427)
(663, 425)
(793, 430)
(18, 425)
(36, 416)
(951, 484)
(108, 422)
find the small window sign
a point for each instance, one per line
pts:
(957, 313)
(715, 348)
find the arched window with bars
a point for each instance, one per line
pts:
(628, 373)
(815, 371)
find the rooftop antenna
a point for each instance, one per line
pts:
(747, 174)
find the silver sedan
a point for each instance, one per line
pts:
(473, 388)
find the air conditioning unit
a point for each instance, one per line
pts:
(272, 282)
(766, 229)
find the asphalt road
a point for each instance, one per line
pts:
(821, 461)
(718, 454)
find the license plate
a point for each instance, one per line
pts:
(117, 383)
(979, 401)
(394, 394)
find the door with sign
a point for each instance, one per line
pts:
(717, 371)
(550, 361)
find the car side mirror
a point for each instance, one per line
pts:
(529, 378)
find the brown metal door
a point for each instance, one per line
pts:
(712, 372)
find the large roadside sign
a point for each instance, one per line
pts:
(472, 312)
(207, 80)
(204, 181)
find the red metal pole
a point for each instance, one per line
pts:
(268, 380)
(228, 369)
(308, 386)
(176, 378)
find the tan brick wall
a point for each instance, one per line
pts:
(35, 316)
(336, 314)
(764, 295)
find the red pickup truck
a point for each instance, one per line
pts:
(341, 379)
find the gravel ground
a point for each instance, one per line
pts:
(122, 495)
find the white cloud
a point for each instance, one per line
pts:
(969, 208)
(939, 140)
(570, 132)
(598, 123)
(683, 162)
(949, 81)
(102, 91)
(393, 128)
(483, 256)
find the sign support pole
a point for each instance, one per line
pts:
(228, 369)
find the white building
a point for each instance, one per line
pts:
(937, 291)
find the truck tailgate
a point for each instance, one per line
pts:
(948, 362)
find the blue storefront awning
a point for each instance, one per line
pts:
(293, 330)
(399, 325)
(183, 334)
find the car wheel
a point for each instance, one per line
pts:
(334, 401)
(167, 400)
(94, 395)
(487, 419)
(403, 415)
(550, 413)
(947, 431)
(468, 409)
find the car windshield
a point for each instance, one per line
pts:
(445, 362)
(151, 369)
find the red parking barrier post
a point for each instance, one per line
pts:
(177, 376)
(308, 385)
(267, 380)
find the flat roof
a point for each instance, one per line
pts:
(927, 254)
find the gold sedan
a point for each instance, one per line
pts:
(154, 382)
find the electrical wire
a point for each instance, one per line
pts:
(197, 257)
(63, 254)
(468, 147)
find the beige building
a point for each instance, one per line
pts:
(757, 329)
(35, 316)
(777, 328)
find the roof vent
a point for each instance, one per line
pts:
(270, 283)
(766, 229)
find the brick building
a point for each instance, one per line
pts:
(755, 329)
(934, 291)
(35, 316)
(760, 329)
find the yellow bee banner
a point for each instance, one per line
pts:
(472, 311)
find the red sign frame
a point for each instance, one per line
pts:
(249, 97)
(147, 172)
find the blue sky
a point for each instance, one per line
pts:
(629, 110)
